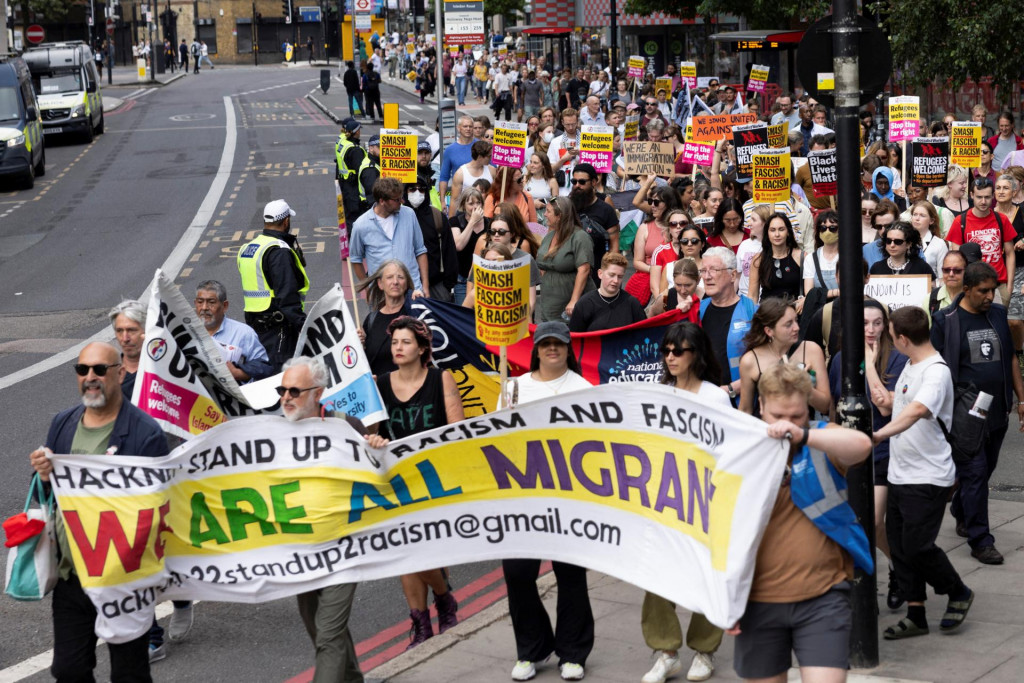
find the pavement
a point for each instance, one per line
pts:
(127, 77)
(988, 648)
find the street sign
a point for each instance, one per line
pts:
(464, 22)
(309, 15)
(364, 5)
(35, 34)
(815, 55)
(110, 26)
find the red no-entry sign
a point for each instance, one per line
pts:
(35, 34)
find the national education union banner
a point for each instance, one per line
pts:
(638, 481)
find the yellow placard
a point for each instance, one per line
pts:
(503, 51)
(398, 155)
(778, 135)
(965, 144)
(453, 50)
(759, 74)
(663, 83)
(689, 70)
(772, 176)
(502, 306)
(631, 128)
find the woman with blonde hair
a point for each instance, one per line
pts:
(925, 220)
(953, 195)
(387, 297)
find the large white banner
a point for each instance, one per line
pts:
(637, 481)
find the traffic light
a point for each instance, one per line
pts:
(286, 8)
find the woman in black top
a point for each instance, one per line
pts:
(388, 298)
(903, 250)
(777, 272)
(468, 226)
(419, 398)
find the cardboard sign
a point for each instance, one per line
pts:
(778, 135)
(410, 48)
(748, 140)
(904, 118)
(509, 144)
(965, 143)
(650, 158)
(714, 128)
(897, 291)
(758, 78)
(398, 154)
(596, 147)
(502, 307)
(929, 162)
(663, 83)
(688, 73)
(824, 172)
(631, 128)
(636, 67)
(772, 178)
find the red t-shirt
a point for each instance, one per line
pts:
(717, 241)
(986, 234)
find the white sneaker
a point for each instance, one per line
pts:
(666, 666)
(701, 668)
(523, 671)
(181, 623)
(571, 671)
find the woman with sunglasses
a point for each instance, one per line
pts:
(651, 235)
(925, 220)
(820, 267)
(522, 237)
(499, 236)
(565, 257)
(419, 398)
(688, 366)
(903, 252)
(776, 271)
(883, 365)
(868, 234)
(387, 296)
(774, 337)
(666, 254)
(985, 170)
(511, 179)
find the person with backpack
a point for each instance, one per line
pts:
(597, 217)
(196, 51)
(992, 232)
(371, 91)
(442, 255)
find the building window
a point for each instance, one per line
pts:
(208, 33)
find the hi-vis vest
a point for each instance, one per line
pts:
(365, 164)
(255, 289)
(819, 491)
(340, 149)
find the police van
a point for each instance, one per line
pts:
(22, 154)
(67, 86)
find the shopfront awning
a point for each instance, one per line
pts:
(539, 30)
(759, 40)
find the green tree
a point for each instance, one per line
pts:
(760, 14)
(953, 41)
(505, 8)
(49, 10)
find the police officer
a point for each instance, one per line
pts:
(348, 157)
(424, 155)
(274, 283)
(368, 173)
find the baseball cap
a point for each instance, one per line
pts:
(971, 252)
(551, 328)
(424, 146)
(276, 211)
(632, 106)
(350, 125)
(374, 141)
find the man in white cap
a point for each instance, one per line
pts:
(274, 283)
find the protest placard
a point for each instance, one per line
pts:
(631, 128)
(698, 153)
(663, 83)
(965, 143)
(758, 78)
(688, 73)
(522, 56)
(596, 147)
(772, 177)
(502, 307)
(897, 291)
(453, 50)
(929, 162)
(748, 139)
(509, 144)
(636, 66)
(410, 48)
(904, 118)
(260, 508)
(778, 135)
(714, 128)
(502, 51)
(650, 158)
(824, 172)
(398, 154)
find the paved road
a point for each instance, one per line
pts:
(94, 230)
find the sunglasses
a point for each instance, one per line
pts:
(81, 369)
(578, 181)
(294, 392)
(896, 241)
(952, 271)
(678, 224)
(865, 212)
(499, 232)
(830, 227)
(689, 241)
(675, 351)
(655, 202)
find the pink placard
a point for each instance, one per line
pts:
(700, 155)
(601, 161)
(502, 155)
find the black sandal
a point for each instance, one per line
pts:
(956, 612)
(904, 628)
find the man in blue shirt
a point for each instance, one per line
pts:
(389, 230)
(456, 155)
(246, 358)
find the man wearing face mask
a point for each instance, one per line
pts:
(442, 255)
